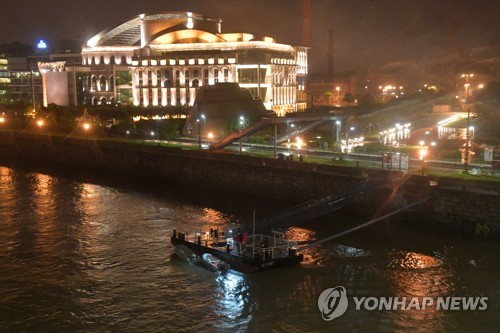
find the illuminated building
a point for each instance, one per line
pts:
(163, 59)
(4, 78)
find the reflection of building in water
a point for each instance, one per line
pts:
(163, 59)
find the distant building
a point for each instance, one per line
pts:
(163, 59)
(328, 90)
(25, 79)
(4, 78)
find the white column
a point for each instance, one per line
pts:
(154, 82)
(173, 96)
(164, 101)
(135, 90)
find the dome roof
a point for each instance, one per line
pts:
(129, 32)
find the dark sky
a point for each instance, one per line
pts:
(385, 31)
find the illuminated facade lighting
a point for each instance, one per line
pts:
(169, 56)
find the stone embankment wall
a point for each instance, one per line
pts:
(454, 204)
(293, 181)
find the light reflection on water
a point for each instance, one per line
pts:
(77, 256)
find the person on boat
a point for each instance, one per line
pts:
(244, 238)
(237, 239)
(264, 243)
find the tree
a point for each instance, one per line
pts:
(349, 98)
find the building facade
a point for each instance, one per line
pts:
(4, 79)
(163, 59)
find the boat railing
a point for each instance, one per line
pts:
(263, 247)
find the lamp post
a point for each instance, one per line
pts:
(199, 132)
(299, 143)
(157, 128)
(347, 137)
(337, 122)
(422, 154)
(202, 128)
(242, 122)
(467, 131)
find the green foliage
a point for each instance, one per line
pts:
(349, 98)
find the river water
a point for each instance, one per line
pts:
(80, 254)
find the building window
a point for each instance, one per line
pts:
(139, 74)
(216, 75)
(205, 76)
(150, 78)
(177, 78)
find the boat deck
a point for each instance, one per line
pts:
(245, 254)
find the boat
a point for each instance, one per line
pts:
(243, 253)
(213, 263)
(185, 254)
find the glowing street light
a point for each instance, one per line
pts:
(242, 122)
(86, 126)
(423, 152)
(467, 85)
(347, 138)
(337, 132)
(40, 123)
(466, 159)
(299, 142)
(2, 120)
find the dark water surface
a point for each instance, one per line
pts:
(80, 256)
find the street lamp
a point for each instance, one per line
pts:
(466, 85)
(299, 143)
(347, 138)
(423, 152)
(157, 128)
(338, 123)
(467, 131)
(200, 128)
(199, 132)
(242, 122)
(40, 123)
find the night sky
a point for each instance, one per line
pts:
(423, 31)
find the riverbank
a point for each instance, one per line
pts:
(454, 205)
